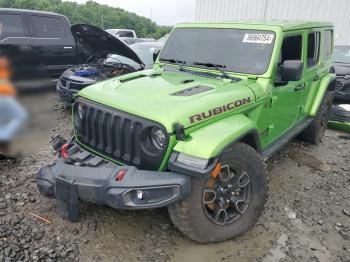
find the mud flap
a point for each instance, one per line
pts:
(67, 199)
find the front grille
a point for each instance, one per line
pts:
(117, 134)
(73, 84)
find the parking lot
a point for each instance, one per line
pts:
(307, 216)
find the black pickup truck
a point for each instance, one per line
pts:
(44, 43)
(45, 36)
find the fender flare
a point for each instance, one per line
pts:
(327, 83)
(209, 141)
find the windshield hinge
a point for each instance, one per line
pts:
(179, 131)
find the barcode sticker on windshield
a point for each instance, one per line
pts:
(258, 38)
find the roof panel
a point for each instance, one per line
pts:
(286, 25)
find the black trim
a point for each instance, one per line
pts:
(256, 145)
(280, 142)
(101, 185)
(331, 85)
(179, 131)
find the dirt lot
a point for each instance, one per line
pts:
(307, 216)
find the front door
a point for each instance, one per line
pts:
(286, 98)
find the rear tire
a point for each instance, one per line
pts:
(202, 219)
(315, 131)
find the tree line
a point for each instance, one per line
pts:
(93, 13)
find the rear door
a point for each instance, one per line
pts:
(319, 50)
(13, 29)
(53, 42)
(312, 61)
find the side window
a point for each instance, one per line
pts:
(327, 44)
(313, 48)
(48, 27)
(291, 48)
(11, 25)
(125, 34)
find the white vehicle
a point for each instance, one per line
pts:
(122, 33)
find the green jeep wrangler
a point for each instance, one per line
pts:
(192, 134)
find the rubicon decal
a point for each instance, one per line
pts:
(219, 110)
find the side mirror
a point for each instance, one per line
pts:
(155, 53)
(292, 70)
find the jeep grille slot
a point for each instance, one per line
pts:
(116, 134)
(73, 84)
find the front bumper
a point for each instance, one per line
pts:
(86, 177)
(65, 95)
(99, 185)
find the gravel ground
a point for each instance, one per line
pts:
(307, 216)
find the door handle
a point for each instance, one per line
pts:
(299, 87)
(316, 78)
(67, 47)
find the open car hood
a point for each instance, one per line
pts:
(95, 41)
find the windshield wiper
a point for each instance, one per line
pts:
(180, 63)
(219, 68)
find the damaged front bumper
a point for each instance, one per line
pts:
(120, 187)
(65, 95)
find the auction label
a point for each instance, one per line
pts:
(258, 38)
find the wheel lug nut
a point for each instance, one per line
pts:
(227, 201)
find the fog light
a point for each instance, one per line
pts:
(140, 194)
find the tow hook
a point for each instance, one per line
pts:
(57, 143)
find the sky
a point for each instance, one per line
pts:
(163, 12)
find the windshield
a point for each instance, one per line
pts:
(145, 52)
(237, 50)
(341, 54)
(111, 31)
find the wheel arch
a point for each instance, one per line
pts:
(327, 83)
(211, 140)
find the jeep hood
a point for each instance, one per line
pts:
(170, 97)
(93, 40)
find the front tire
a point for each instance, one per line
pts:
(225, 206)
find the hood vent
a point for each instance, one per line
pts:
(129, 78)
(193, 90)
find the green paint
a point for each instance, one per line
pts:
(342, 126)
(269, 110)
(319, 93)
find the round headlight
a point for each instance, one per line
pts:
(158, 138)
